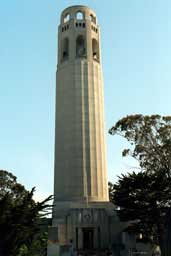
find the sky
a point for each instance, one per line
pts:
(136, 54)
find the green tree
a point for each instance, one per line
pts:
(150, 138)
(37, 248)
(146, 196)
(19, 215)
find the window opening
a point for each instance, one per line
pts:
(67, 17)
(65, 49)
(79, 16)
(95, 49)
(80, 46)
(93, 19)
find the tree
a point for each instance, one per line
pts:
(37, 248)
(146, 196)
(150, 137)
(19, 215)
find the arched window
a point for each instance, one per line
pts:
(93, 19)
(79, 15)
(95, 49)
(65, 49)
(67, 17)
(80, 46)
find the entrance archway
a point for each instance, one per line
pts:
(88, 238)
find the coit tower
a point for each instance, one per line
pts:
(80, 153)
(80, 181)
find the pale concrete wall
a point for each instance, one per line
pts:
(80, 150)
(53, 250)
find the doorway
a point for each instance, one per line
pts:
(88, 238)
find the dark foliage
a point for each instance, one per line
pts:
(19, 214)
(146, 198)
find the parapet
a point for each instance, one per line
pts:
(78, 12)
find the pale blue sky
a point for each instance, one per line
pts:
(136, 51)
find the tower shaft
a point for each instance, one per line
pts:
(80, 151)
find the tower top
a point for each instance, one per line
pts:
(79, 12)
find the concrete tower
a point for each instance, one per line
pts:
(82, 207)
(80, 154)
